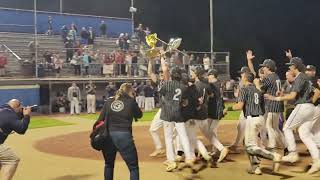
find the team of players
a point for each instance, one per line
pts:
(192, 103)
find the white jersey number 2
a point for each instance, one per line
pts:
(256, 98)
(177, 94)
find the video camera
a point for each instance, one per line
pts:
(34, 108)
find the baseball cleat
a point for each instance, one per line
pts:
(223, 154)
(315, 167)
(292, 157)
(158, 153)
(171, 166)
(276, 162)
(256, 171)
(179, 158)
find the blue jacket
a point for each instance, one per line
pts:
(10, 121)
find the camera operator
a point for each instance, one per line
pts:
(121, 110)
(13, 117)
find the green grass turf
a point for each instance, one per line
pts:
(42, 122)
(148, 116)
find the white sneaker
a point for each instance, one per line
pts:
(292, 157)
(223, 154)
(276, 162)
(258, 171)
(158, 153)
(315, 167)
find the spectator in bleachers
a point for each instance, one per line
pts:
(91, 98)
(206, 62)
(140, 95)
(121, 41)
(57, 64)
(128, 62)
(91, 37)
(110, 90)
(74, 26)
(74, 97)
(108, 66)
(84, 36)
(76, 63)
(69, 51)
(134, 64)
(48, 59)
(140, 33)
(50, 29)
(72, 34)
(103, 29)
(126, 42)
(64, 33)
(3, 62)
(120, 62)
(86, 62)
(149, 96)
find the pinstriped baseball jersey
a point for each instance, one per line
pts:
(253, 101)
(270, 85)
(303, 87)
(171, 92)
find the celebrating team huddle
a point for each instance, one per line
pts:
(192, 103)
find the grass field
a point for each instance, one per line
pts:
(43, 121)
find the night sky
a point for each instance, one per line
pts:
(267, 27)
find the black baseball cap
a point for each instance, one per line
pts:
(244, 69)
(297, 62)
(311, 68)
(269, 63)
(213, 72)
(199, 71)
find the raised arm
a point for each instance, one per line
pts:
(250, 57)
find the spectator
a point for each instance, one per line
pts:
(140, 95)
(32, 49)
(74, 96)
(108, 66)
(134, 64)
(86, 62)
(91, 98)
(103, 29)
(121, 41)
(57, 64)
(120, 61)
(149, 96)
(69, 51)
(140, 33)
(91, 37)
(76, 62)
(126, 42)
(72, 35)
(49, 31)
(3, 62)
(110, 90)
(64, 33)
(74, 26)
(128, 62)
(84, 36)
(147, 31)
(206, 62)
(48, 59)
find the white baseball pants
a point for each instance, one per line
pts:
(149, 104)
(240, 130)
(91, 103)
(74, 106)
(156, 124)
(274, 133)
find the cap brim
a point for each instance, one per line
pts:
(289, 64)
(261, 65)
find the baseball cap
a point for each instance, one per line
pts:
(244, 69)
(311, 68)
(199, 71)
(269, 63)
(213, 72)
(296, 61)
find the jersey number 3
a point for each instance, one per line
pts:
(177, 94)
(256, 98)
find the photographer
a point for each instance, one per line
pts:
(121, 110)
(13, 117)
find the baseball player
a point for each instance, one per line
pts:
(157, 122)
(198, 74)
(171, 93)
(251, 102)
(302, 115)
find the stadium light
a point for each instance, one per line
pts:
(132, 10)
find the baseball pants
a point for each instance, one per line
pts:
(140, 100)
(74, 106)
(156, 124)
(209, 128)
(149, 103)
(8, 162)
(316, 126)
(91, 103)
(253, 128)
(183, 137)
(274, 133)
(195, 143)
(240, 130)
(302, 118)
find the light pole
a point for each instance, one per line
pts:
(211, 29)
(132, 10)
(61, 6)
(35, 36)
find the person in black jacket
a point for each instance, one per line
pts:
(13, 117)
(119, 113)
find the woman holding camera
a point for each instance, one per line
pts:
(120, 111)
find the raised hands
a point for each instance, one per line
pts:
(288, 54)
(250, 55)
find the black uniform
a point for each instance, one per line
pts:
(171, 93)
(215, 103)
(270, 86)
(205, 90)
(253, 101)
(314, 81)
(190, 103)
(303, 87)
